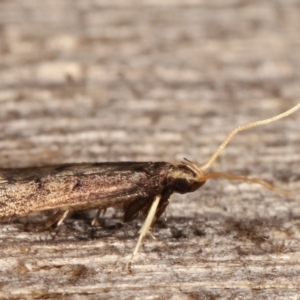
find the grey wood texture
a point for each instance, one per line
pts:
(85, 81)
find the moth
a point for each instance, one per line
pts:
(135, 187)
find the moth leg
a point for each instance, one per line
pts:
(165, 215)
(58, 218)
(63, 217)
(95, 220)
(162, 209)
(151, 234)
(145, 228)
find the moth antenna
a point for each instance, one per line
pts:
(193, 167)
(265, 184)
(244, 127)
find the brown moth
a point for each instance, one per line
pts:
(134, 187)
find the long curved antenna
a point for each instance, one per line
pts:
(252, 180)
(244, 127)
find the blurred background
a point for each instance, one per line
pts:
(100, 80)
(149, 80)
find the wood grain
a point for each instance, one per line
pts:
(86, 81)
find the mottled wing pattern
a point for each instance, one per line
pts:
(79, 186)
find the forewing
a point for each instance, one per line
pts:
(77, 186)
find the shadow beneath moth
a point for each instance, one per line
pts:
(134, 187)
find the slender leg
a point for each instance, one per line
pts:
(145, 228)
(95, 221)
(62, 217)
(58, 218)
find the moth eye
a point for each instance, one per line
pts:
(181, 185)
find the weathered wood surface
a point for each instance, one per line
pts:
(158, 80)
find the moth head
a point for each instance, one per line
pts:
(185, 178)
